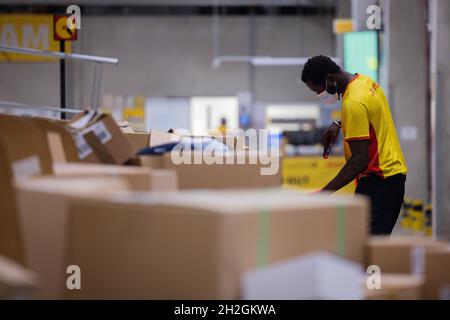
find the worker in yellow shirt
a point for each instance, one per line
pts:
(223, 126)
(372, 150)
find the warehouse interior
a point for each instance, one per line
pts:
(90, 192)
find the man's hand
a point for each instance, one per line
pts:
(329, 138)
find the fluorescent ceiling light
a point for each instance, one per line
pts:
(266, 61)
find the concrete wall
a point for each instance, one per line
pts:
(172, 56)
(441, 95)
(407, 81)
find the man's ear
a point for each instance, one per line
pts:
(331, 84)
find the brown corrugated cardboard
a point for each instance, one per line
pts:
(397, 287)
(399, 254)
(23, 152)
(437, 273)
(42, 205)
(138, 178)
(157, 138)
(138, 140)
(61, 143)
(197, 244)
(152, 161)
(16, 282)
(217, 176)
(125, 126)
(234, 142)
(99, 134)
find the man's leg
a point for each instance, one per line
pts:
(397, 188)
(371, 187)
(386, 197)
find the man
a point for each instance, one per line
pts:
(372, 151)
(223, 126)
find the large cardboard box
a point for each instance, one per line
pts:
(60, 141)
(42, 205)
(137, 178)
(16, 282)
(399, 254)
(23, 152)
(233, 142)
(230, 174)
(138, 140)
(437, 273)
(98, 134)
(397, 287)
(198, 244)
(141, 140)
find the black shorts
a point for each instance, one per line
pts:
(386, 197)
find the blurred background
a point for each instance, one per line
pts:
(203, 64)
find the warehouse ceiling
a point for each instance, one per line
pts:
(311, 3)
(174, 7)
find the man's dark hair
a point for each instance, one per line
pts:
(317, 68)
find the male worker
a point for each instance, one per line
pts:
(372, 151)
(223, 126)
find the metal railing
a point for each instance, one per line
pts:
(99, 61)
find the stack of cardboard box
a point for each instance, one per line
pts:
(132, 233)
(198, 244)
(405, 260)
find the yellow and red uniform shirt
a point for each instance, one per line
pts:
(366, 115)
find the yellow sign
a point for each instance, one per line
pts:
(61, 32)
(135, 114)
(28, 31)
(312, 173)
(342, 26)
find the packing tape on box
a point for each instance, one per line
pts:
(340, 232)
(263, 237)
(264, 234)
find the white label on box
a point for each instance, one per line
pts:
(417, 260)
(99, 129)
(83, 147)
(83, 121)
(101, 132)
(26, 167)
(408, 133)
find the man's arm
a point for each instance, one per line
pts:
(357, 164)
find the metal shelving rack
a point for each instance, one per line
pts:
(97, 78)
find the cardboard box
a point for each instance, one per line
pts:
(137, 178)
(198, 244)
(398, 254)
(234, 142)
(397, 287)
(98, 134)
(60, 141)
(157, 138)
(16, 282)
(217, 176)
(437, 274)
(141, 140)
(42, 205)
(23, 152)
(125, 126)
(138, 140)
